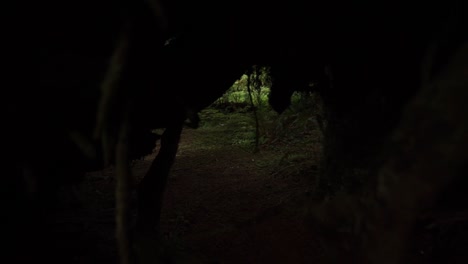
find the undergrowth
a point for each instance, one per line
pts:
(295, 136)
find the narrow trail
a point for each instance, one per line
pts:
(223, 204)
(227, 205)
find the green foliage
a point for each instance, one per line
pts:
(296, 133)
(237, 97)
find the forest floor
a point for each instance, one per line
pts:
(224, 203)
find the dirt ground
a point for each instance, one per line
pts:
(223, 204)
